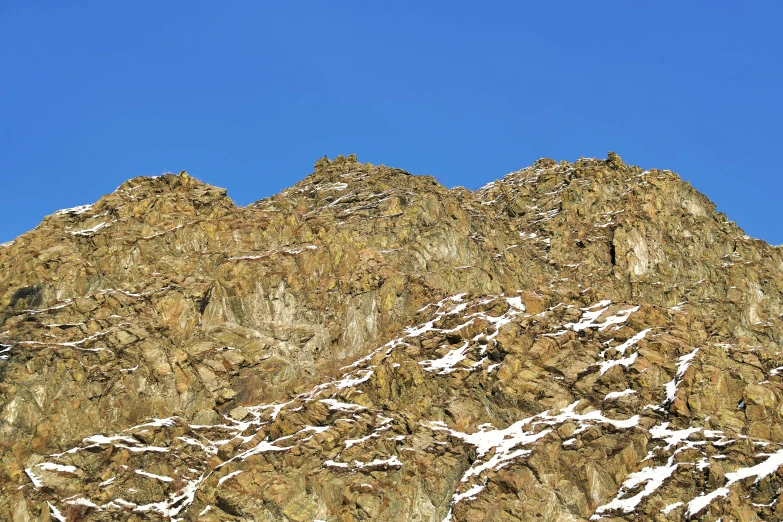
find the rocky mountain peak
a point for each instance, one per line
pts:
(614, 161)
(339, 166)
(163, 183)
(577, 341)
(332, 175)
(167, 194)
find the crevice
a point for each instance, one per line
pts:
(32, 296)
(203, 301)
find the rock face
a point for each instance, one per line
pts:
(577, 341)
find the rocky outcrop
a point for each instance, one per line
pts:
(576, 341)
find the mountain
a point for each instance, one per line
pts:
(577, 341)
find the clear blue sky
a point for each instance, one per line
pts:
(247, 95)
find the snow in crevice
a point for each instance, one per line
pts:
(672, 438)
(99, 440)
(299, 250)
(209, 449)
(142, 449)
(447, 363)
(683, 442)
(338, 186)
(35, 479)
(704, 500)
(470, 494)
(605, 366)
(55, 513)
(630, 342)
(592, 313)
(261, 447)
(652, 477)
(761, 470)
(89, 231)
(74, 344)
(73, 210)
(153, 476)
(385, 425)
(616, 395)
(81, 501)
(229, 476)
(51, 466)
(164, 232)
(516, 303)
(625, 361)
(514, 442)
(176, 503)
(155, 423)
(391, 462)
(351, 381)
(269, 253)
(590, 319)
(682, 366)
(342, 406)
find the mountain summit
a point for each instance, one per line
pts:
(576, 341)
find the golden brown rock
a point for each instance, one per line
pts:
(585, 341)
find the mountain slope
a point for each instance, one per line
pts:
(572, 342)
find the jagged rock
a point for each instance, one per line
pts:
(577, 341)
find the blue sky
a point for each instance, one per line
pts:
(247, 95)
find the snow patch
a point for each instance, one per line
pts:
(702, 501)
(516, 302)
(156, 423)
(625, 361)
(468, 495)
(342, 406)
(672, 437)
(229, 476)
(682, 366)
(671, 507)
(56, 513)
(73, 210)
(89, 231)
(447, 362)
(391, 462)
(651, 477)
(591, 315)
(154, 476)
(51, 466)
(505, 442)
(338, 186)
(81, 501)
(618, 394)
(35, 479)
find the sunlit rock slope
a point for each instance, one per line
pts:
(576, 341)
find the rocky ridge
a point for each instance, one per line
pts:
(577, 341)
